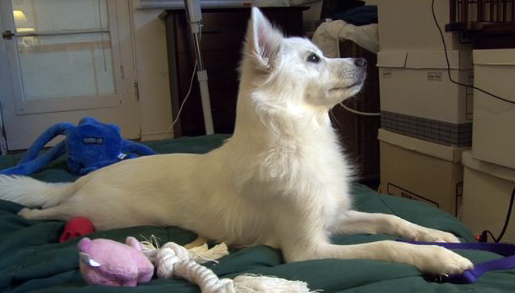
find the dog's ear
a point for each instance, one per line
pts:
(263, 41)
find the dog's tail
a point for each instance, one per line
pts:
(34, 193)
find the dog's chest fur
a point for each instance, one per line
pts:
(299, 175)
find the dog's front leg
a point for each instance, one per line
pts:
(427, 258)
(352, 222)
(302, 238)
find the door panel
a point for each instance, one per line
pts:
(65, 59)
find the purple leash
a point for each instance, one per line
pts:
(471, 275)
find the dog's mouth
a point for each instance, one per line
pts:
(355, 84)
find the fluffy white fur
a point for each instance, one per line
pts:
(281, 179)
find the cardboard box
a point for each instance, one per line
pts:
(486, 197)
(409, 25)
(494, 120)
(421, 170)
(419, 100)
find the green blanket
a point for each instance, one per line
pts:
(33, 260)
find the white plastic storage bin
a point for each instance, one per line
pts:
(494, 120)
(486, 197)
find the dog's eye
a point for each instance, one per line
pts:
(313, 58)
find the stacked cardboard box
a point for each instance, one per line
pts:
(421, 170)
(426, 119)
(418, 99)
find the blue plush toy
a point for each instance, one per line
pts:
(90, 145)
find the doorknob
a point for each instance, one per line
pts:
(8, 35)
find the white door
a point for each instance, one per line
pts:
(62, 60)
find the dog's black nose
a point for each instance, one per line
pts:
(360, 62)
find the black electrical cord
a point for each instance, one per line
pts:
(449, 66)
(483, 237)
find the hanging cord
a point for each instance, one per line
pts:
(183, 102)
(358, 112)
(449, 66)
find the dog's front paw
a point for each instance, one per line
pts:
(433, 235)
(437, 260)
(418, 233)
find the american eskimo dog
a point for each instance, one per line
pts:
(280, 180)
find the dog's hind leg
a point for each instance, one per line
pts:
(352, 222)
(54, 213)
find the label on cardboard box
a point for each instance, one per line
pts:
(395, 190)
(387, 73)
(434, 76)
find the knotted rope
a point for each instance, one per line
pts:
(174, 260)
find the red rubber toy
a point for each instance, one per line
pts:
(76, 227)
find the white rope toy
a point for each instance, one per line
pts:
(174, 260)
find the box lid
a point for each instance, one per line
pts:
(458, 59)
(485, 167)
(448, 153)
(392, 59)
(498, 57)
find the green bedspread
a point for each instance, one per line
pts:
(33, 260)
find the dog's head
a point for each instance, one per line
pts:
(294, 72)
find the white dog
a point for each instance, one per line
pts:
(281, 179)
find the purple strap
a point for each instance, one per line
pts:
(471, 275)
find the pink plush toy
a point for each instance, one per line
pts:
(111, 263)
